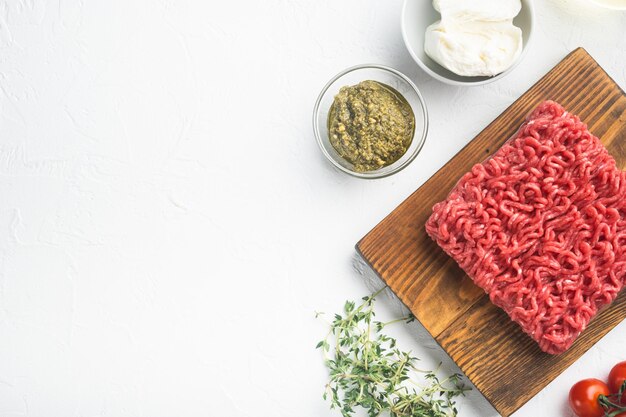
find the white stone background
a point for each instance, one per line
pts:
(160, 257)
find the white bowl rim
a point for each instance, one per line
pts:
(370, 174)
(531, 9)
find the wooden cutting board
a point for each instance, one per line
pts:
(503, 363)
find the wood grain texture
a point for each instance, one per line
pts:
(502, 362)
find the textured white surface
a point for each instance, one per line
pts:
(157, 256)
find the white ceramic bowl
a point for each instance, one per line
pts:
(417, 15)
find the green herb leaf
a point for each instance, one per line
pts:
(369, 371)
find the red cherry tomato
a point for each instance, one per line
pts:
(583, 397)
(617, 376)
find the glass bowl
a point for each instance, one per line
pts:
(353, 76)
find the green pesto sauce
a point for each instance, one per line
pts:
(370, 125)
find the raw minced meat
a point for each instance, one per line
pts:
(541, 227)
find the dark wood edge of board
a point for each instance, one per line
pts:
(441, 348)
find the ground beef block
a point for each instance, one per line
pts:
(541, 227)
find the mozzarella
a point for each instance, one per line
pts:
(475, 37)
(474, 48)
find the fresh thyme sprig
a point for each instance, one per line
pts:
(367, 370)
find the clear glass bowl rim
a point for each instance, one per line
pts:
(377, 173)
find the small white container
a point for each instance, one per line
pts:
(417, 15)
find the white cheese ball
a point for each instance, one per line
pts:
(476, 48)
